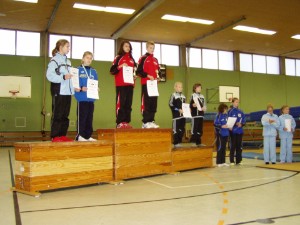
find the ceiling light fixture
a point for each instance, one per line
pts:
(29, 1)
(187, 19)
(103, 9)
(297, 36)
(254, 30)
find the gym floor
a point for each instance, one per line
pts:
(214, 196)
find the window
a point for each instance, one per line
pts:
(81, 45)
(28, 43)
(195, 57)
(259, 64)
(136, 50)
(225, 60)
(170, 55)
(104, 49)
(297, 67)
(8, 42)
(273, 65)
(210, 58)
(53, 38)
(290, 67)
(246, 62)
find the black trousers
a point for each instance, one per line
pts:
(61, 105)
(236, 147)
(85, 113)
(197, 130)
(178, 130)
(123, 103)
(149, 105)
(221, 149)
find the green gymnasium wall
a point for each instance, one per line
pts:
(256, 90)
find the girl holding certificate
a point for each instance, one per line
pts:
(198, 107)
(85, 106)
(222, 133)
(236, 133)
(123, 69)
(286, 129)
(270, 124)
(149, 70)
(58, 73)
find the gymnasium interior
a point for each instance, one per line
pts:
(234, 48)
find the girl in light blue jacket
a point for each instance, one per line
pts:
(270, 124)
(286, 135)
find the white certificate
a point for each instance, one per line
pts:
(92, 89)
(186, 110)
(152, 88)
(230, 122)
(288, 124)
(196, 101)
(75, 77)
(128, 74)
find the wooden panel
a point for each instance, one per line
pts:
(44, 168)
(191, 158)
(46, 151)
(50, 182)
(208, 136)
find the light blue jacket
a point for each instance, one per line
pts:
(282, 133)
(59, 66)
(269, 129)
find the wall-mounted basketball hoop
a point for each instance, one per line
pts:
(14, 93)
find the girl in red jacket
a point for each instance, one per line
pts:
(148, 69)
(123, 63)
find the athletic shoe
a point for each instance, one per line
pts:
(57, 139)
(121, 126)
(128, 126)
(154, 125)
(240, 164)
(220, 165)
(232, 164)
(177, 145)
(66, 139)
(147, 125)
(273, 162)
(202, 145)
(225, 164)
(92, 139)
(81, 138)
(267, 163)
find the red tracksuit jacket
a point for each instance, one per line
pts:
(148, 65)
(114, 70)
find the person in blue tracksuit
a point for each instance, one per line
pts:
(222, 133)
(270, 124)
(285, 135)
(175, 103)
(236, 133)
(85, 106)
(61, 90)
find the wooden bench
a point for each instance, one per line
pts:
(44, 166)
(189, 157)
(139, 152)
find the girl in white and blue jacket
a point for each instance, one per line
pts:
(285, 135)
(222, 133)
(61, 90)
(270, 124)
(85, 106)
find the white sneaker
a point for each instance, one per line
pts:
(220, 165)
(177, 145)
(81, 139)
(147, 125)
(154, 125)
(92, 139)
(225, 164)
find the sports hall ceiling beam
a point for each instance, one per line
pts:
(140, 14)
(52, 17)
(221, 28)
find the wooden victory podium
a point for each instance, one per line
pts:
(139, 152)
(43, 166)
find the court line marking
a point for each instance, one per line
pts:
(210, 184)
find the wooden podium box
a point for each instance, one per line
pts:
(43, 166)
(188, 157)
(139, 152)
